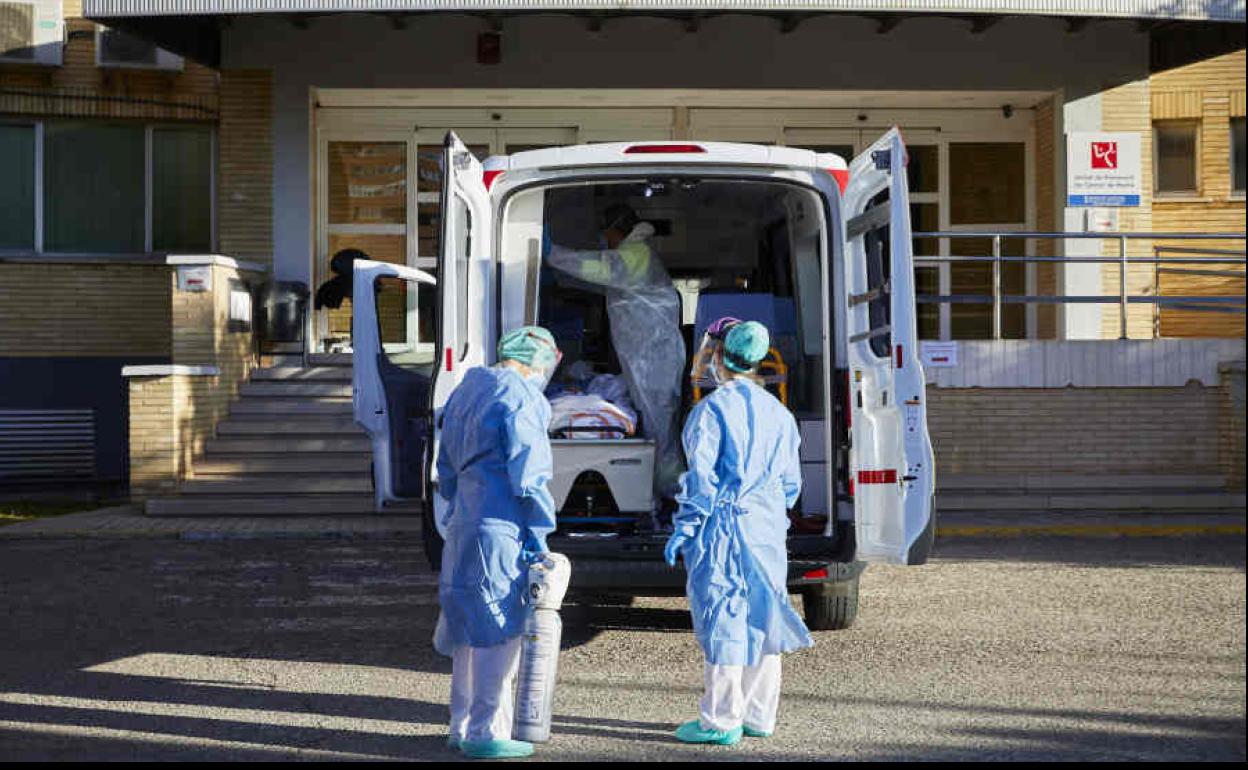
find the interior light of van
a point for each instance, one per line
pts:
(662, 149)
(490, 177)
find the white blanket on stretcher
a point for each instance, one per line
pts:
(590, 411)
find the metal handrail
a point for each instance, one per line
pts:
(1123, 260)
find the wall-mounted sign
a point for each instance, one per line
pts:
(194, 278)
(1102, 169)
(938, 355)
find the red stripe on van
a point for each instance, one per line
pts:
(841, 176)
(877, 477)
(450, 359)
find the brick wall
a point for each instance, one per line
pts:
(1082, 430)
(50, 310)
(172, 416)
(1126, 108)
(1231, 418)
(1212, 92)
(245, 165)
(73, 88)
(1046, 214)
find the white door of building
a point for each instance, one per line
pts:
(379, 191)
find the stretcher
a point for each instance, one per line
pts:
(627, 465)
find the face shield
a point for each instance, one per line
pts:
(706, 372)
(540, 375)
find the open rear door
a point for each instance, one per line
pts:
(463, 271)
(890, 461)
(392, 373)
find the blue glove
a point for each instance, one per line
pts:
(546, 243)
(535, 545)
(675, 546)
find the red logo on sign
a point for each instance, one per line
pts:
(1104, 155)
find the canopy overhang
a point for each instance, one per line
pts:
(193, 27)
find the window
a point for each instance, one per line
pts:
(879, 263)
(1174, 152)
(181, 189)
(106, 188)
(93, 196)
(17, 187)
(1238, 156)
(463, 236)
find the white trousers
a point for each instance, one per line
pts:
(741, 695)
(482, 700)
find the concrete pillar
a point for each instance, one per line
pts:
(1077, 321)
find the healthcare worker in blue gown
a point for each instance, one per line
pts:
(493, 470)
(744, 474)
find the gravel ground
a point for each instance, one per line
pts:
(1001, 649)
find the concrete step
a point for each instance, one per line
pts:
(294, 407)
(261, 505)
(1092, 501)
(231, 466)
(279, 485)
(330, 359)
(290, 426)
(294, 389)
(269, 445)
(302, 374)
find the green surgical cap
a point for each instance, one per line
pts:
(745, 345)
(530, 345)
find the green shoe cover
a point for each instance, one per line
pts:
(496, 749)
(750, 732)
(692, 732)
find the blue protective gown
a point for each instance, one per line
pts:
(744, 474)
(493, 469)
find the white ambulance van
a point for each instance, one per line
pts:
(817, 250)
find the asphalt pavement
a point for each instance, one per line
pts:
(1022, 648)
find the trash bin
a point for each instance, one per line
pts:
(280, 312)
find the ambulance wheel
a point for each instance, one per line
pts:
(831, 606)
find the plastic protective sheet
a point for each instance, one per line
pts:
(644, 311)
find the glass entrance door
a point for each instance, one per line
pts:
(380, 196)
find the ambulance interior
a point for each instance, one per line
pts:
(746, 249)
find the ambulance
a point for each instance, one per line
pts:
(817, 249)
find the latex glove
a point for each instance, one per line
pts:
(535, 545)
(546, 243)
(675, 545)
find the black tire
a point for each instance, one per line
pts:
(831, 606)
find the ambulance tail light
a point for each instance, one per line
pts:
(841, 177)
(492, 168)
(663, 149)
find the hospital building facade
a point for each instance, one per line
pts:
(160, 160)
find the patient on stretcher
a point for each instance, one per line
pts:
(598, 409)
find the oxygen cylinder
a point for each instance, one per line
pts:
(539, 648)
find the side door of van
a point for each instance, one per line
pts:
(411, 337)
(891, 464)
(392, 373)
(463, 265)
